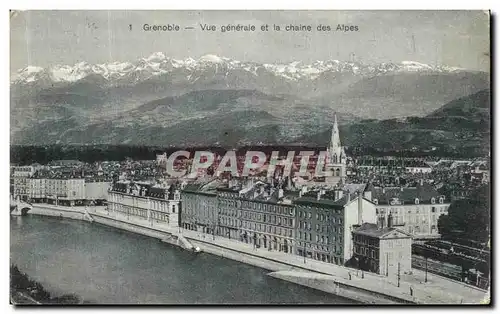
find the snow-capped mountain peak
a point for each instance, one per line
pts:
(156, 56)
(29, 73)
(211, 58)
(159, 64)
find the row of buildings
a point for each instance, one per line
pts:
(69, 189)
(318, 223)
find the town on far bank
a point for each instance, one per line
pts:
(384, 215)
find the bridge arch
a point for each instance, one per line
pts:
(25, 209)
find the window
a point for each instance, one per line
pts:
(433, 209)
(433, 200)
(417, 201)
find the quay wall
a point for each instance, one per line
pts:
(57, 211)
(238, 256)
(129, 226)
(330, 285)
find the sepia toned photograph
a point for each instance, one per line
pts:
(250, 157)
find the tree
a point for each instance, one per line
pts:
(468, 218)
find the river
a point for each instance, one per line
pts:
(108, 266)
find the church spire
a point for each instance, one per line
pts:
(335, 138)
(336, 159)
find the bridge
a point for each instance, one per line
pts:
(19, 207)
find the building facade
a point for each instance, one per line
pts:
(20, 176)
(67, 191)
(325, 220)
(266, 219)
(257, 214)
(200, 207)
(382, 250)
(96, 190)
(21, 187)
(23, 171)
(152, 203)
(415, 210)
(228, 203)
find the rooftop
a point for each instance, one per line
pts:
(372, 230)
(424, 192)
(328, 199)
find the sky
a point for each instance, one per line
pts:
(453, 38)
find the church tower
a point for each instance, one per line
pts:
(336, 158)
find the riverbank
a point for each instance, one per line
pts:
(76, 212)
(25, 291)
(334, 279)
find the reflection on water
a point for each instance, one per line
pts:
(106, 265)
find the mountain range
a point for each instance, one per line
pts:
(215, 100)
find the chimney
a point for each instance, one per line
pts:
(402, 189)
(383, 190)
(348, 197)
(280, 193)
(360, 208)
(300, 193)
(389, 221)
(368, 195)
(338, 194)
(304, 189)
(421, 182)
(318, 195)
(380, 222)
